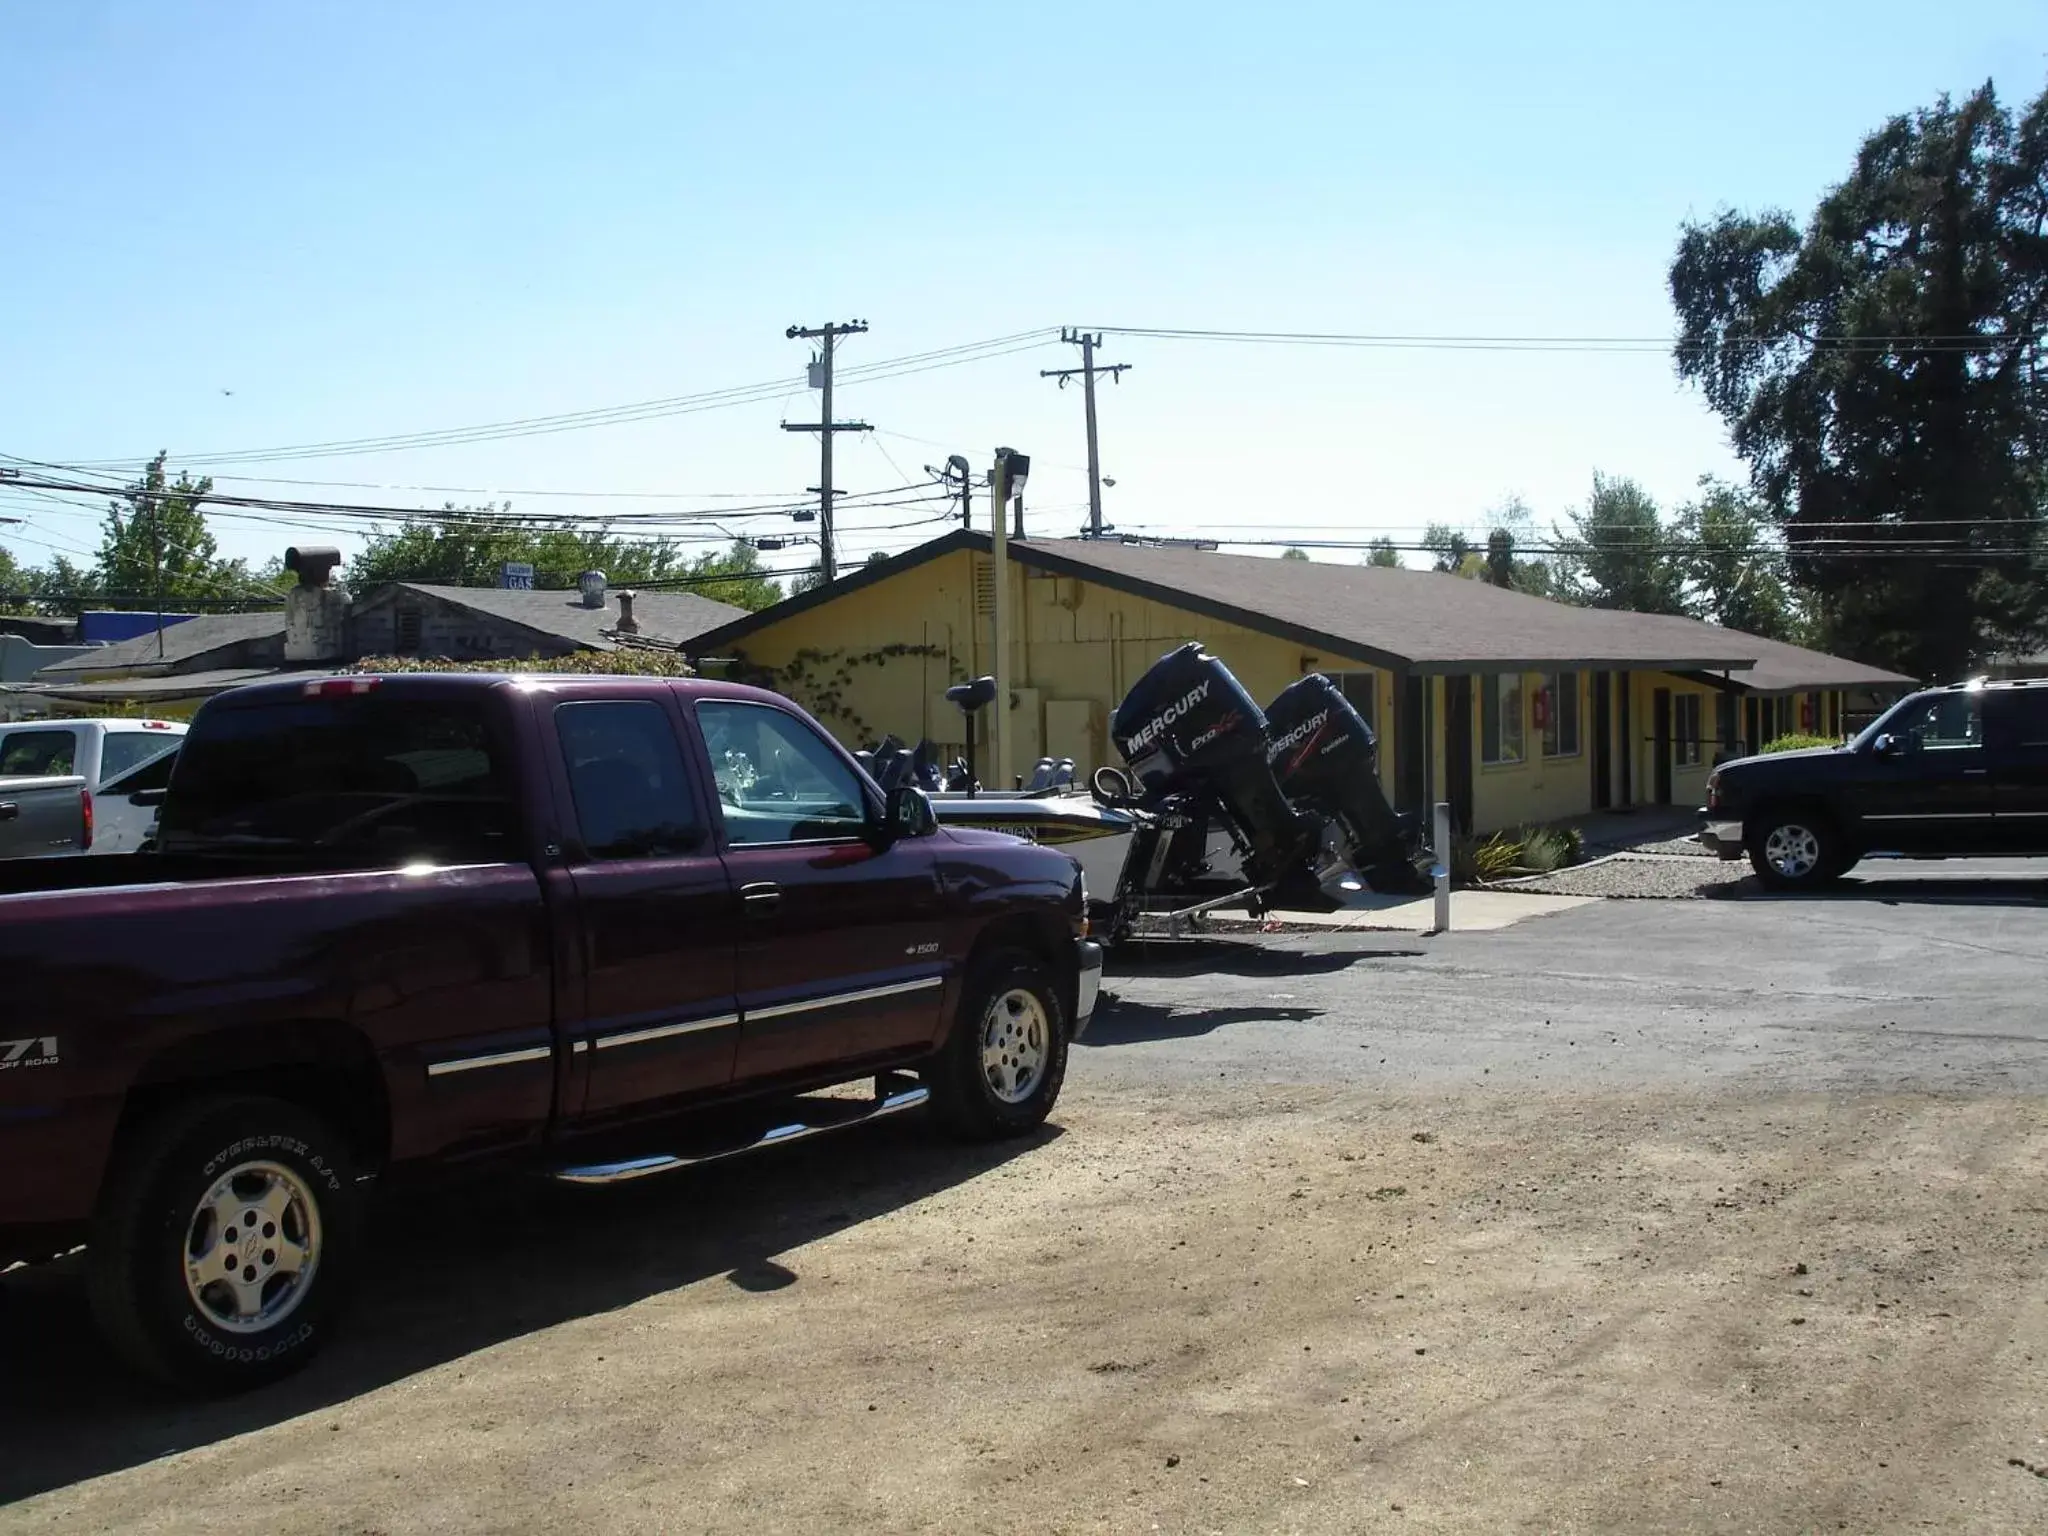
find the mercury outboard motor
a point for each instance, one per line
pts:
(1326, 760)
(1188, 727)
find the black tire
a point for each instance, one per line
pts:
(1792, 848)
(966, 1097)
(150, 1221)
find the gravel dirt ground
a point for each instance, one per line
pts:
(1648, 1216)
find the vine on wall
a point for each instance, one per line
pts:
(819, 680)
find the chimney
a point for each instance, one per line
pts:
(315, 611)
(591, 585)
(628, 625)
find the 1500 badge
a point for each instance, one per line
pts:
(923, 949)
(36, 1051)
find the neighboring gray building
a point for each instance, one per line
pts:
(322, 626)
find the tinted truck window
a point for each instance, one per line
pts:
(345, 782)
(626, 776)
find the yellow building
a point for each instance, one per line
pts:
(1511, 707)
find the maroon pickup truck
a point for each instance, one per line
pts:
(608, 926)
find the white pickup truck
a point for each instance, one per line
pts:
(114, 762)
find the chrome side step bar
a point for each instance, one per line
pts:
(667, 1162)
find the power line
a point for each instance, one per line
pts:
(614, 415)
(15, 480)
(1483, 343)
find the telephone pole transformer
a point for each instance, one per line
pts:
(825, 426)
(1088, 370)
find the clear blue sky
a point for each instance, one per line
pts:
(378, 218)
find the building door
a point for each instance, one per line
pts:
(1411, 756)
(1603, 741)
(1458, 750)
(1660, 745)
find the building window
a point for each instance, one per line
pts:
(1362, 691)
(1500, 718)
(1558, 714)
(1688, 729)
(407, 642)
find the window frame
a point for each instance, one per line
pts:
(1554, 685)
(689, 777)
(872, 809)
(2006, 711)
(30, 728)
(1372, 684)
(1973, 700)
(194, 821)
(1688, 748)
(1491, 701)
(163, 742)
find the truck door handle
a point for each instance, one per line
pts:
(1975, 773)
(9, 810)
(761, 899)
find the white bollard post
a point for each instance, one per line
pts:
(1442, 872)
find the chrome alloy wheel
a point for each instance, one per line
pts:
(1793, 851)
(1016, 1038)
(252, 1247)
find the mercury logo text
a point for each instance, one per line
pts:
(1157, 725)
(1299, 734)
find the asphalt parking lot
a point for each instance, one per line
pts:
(1647, 1215)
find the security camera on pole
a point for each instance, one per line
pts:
(1005, 480)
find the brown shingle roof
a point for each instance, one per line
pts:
(1784, 668)
(1424, 619)
(1432, 622)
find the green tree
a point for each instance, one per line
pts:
(155, 542)
(735, 576)
(1732, 567)
(14, 593)
(63, 590)
(1381, 552)
(1292, 553)
(1616, 554)
(1450, 550)
(1514, 529)
(1879, 371)
(469, 546)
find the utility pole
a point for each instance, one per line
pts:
(1005, 480)
(1088, 370)
(825, 426)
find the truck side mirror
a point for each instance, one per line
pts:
(1888, 745)
(909, 814)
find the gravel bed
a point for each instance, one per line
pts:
(1680, 847)
(1647, 875)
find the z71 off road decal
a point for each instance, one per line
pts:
(38, 1051)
